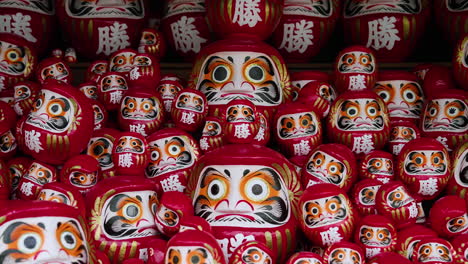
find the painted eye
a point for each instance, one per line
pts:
(29, 243)
(154, 208)
(372, 111)
(364, 60)
(216, 189)
(154, 155)
(68, 240)
(433, 111)
(350, 60)
(13, 55)
(257, 190)
(340, 256)
(380, 236)
(131, 211)
(385, 95)
(419, 160)
(318, 161)
(352, 111)
(38, 103)
(255, 73)
(409, 96)
(221, 74)
(55, 109)
(175, 150)
(332, 206)
(315, 211)
(440, 251)
(333, 168)
(427, 251)
(146, 106)
(131, 105)
(453, 111)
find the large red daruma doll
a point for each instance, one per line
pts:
(327, 215)
(305, 28)
(121, 212)
(360, 121)
(33, 20)
(257, 19)
(59, 126)
(241, 68)
(445, 118)
(390, 27)
(246, 193)
(355, 69)
(17, 61)
(96, 29)
(44, 232)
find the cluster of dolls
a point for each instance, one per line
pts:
(244, 163)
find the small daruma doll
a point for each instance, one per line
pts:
(449, 216)
(26, 93)
(96, 69)
(241, 121)
(327, 214)
(360, 121)
(298, 129)
(330, 163)
(60, 124)
(446, 118)
(172, 208)
(424, 166)
(121, 213)
(305, 257)
(44, 232)
(247, 192)
(395, 202)
(402, 132)
(355, 69)
(37, 175)
(212, 134)
(458, 183)
(363, 195)
(173, 153)
(146, 72)
(100, 147)
(130, 154)
(375, 234)
(402, 94)
(252, 252)
(141, 111)
(53, 69)
(122, 61)
(112, 87)
(189, 110)
(377, 165)
(434, 251)
(82, 172)
(59, 192)
(344, 252)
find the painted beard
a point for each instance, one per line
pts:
(89, 9)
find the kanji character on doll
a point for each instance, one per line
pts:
(38, 174)
(172, 208)
(241, 122)
(121, 212)
(212, 135)
(53, 69)
(130, 154)
(330, 163)
(112, 87)
(449, 216)
(360, 121)
(189, 110)
(247, 192)
(82, 172)
(59, 126)
(298, 129)
(375, 234)
(168, 88)
(251, 252)
(424, 166)
(145, 71)
(327, 214)
(378, 165)
(402, 132)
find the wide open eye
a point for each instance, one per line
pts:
(68, 240)
(221, 73)
(409, 96)
(131, 211)
(155, 155)
(13, 55)
(371, 111)
(257, 189)
(352, 111)
(216, 189)
(29, 243)
(174, 150)
(452, 110)
(385, 95)
(255, 73)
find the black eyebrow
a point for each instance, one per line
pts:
(208, 62)
(267, 61)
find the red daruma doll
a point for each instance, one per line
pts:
(241, 121)
(130, 154)
(189, 110)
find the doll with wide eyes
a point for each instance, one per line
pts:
(344, 253)
(449, 216)
(130, 154)
(355, 69)
(112, 87)
(327, 215)
(458, 183)
(145, 72)
(434, 251)
(122, 60)
(96, 69)
(298, 129)
(152, 42)
(38, 174)
(189, 110)
(363, 194)
(445, 118)
(375, 234)
(82, 172)
(402, 132)
(100, 147)
(305, 257)
(241, 121)
(26, 93)
(173, 207)
(17, 167)
(53, 69)
(212, 134)
(409, 237)
(252, 252)
(424, 166)
(168, 88)
(378, 165)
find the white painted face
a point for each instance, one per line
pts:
(53, 112)
(308, 8)
(113, 83)
(375, 236)
(240, 113)
(359, 8)
(101, 149)
(167, 217)
(39, 174)
(403, 98)
(380, 166)
(426, 162)
(98, 115)
(402, 134)
(14, 59)
(182, 6)
(325, 211)
(129, 215)
(40, 6)
(57, 71)
(169, 154)
(190, 101)
(189, 255)
(434, 252)
(22, 92)
(460, 172)
(242, 196)
(344, 256)
(357, 62)
(360, 115)
(122, 62)
(398, 198)
(255, 255)
(212, 128)
(129, 9)
(137, 108)
(367, 195)
(90, 91)
(297, 125)
(81, 179)
(42, 240)
(307, 261)
(54, 196)
(327, 168)
(458, 225)
(253, 76)
(446, 115)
